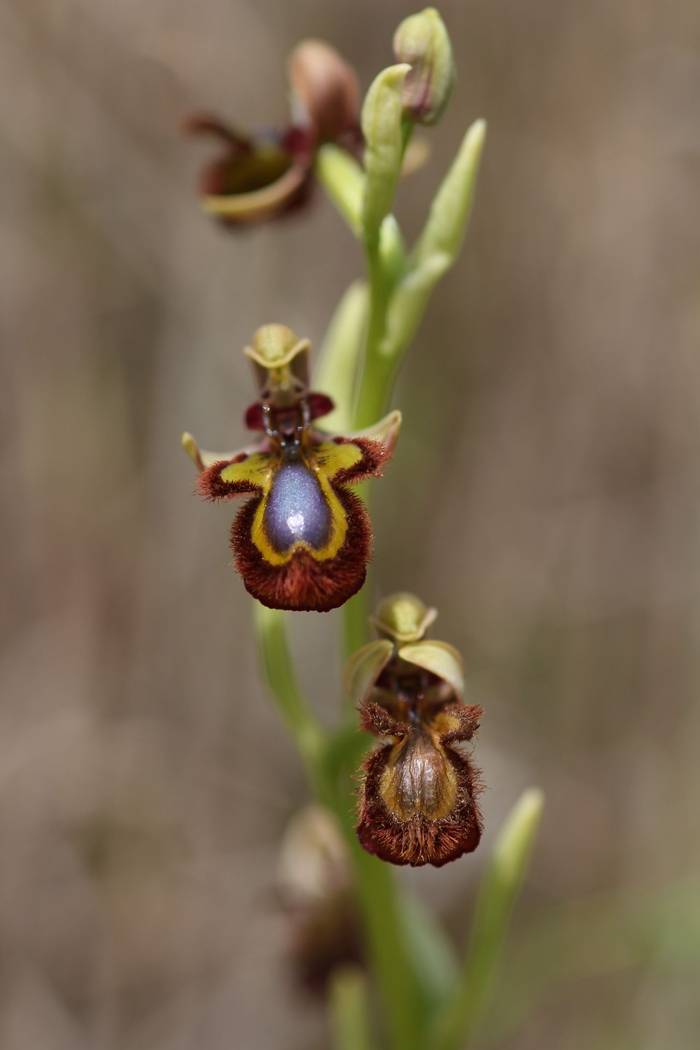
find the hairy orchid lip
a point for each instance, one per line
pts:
(418, 799)
(301, 581)
(419, 781)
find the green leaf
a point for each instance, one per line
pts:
(409, 303)
(344, 182)
(447, 220)
(340, 356)
(391, 251)
(382, 128)
(279, 673)
(395, 967)
(500, 884)
(435, 957)
(438, 246)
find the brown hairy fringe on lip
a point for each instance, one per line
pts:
(211, 487)
(417, 839)
(305, 584)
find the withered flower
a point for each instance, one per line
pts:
(419, 789)
(303, 541)
(315, 886)
(260, 176)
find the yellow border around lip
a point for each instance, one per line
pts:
(326, 461)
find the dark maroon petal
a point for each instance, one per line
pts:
(319, 405)
(254, 418)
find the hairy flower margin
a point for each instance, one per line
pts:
(303, 542)
(418, 797)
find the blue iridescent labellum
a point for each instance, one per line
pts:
(296, 509)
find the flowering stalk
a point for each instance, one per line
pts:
(399, 287)
(302, 541)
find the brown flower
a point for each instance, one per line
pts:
(419, 790)
(264, 175)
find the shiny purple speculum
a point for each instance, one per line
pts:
(296, 509)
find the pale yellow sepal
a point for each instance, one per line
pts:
(201, 457)
(386, 431)
(439, 658)
(275, 346)
(403, 617)
(257, 205)
(364, 667)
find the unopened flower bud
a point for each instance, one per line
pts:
(423, 42)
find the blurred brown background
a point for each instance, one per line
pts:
(544, 495)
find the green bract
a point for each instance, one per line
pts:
(459, 1019)
(381, 127)
(438, 245)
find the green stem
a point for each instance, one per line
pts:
(375, 389)
(373, 394)
(344, 181)
(350, 1011)
(389, 950)
(386, 934)
(291, 702)
(377, 374)
(356, 621)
